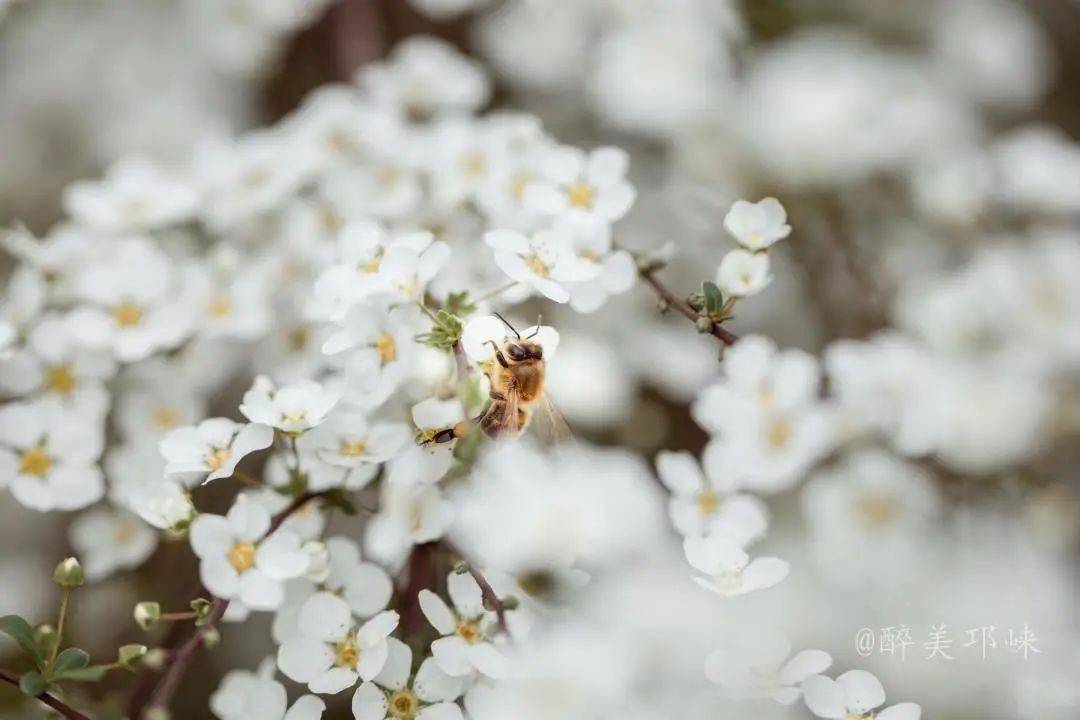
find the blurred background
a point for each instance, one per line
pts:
(905, 139)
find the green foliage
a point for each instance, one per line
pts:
(33, 684)
(445, 331)
(339, 498)
(70, 659)
(20, 631)
(458, 304)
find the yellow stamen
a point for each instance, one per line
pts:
(217, 457)
(580, 195)
(388, 176)
(708, 501)
(124, 532)
(298, 338)
(219, 307)
(403, 704)
(469, 631)
(165, 417)
(242, 556)
(354, 448)
(778, 434)
(876, 510)
(387, 348)
(127, 314)
(35, 461)
(475, 164)
(518, 185)
(348, 654)
(59, 380)
(538, 266)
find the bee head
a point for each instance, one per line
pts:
(523, 350)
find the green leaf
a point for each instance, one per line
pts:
(714, 299)
(86, 674)
(69, 659)
(339, 499)
(33, 684)
(20, 631)
(458, 304)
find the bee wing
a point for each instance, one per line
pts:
(550, 424)
(501, 417)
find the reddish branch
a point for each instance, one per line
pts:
(179, 659)
(670, 299)
(50, 700)
(491, 599)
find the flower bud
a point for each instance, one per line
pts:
(158, 713)
(130, 657)
(69, 574)
(703, 325)
(211, 638)
(155, 659)
(202, 608)
(147, 614)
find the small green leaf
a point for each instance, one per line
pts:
(458, 304)
(20, 631)
(69, 659)
(86, 674)
(714, 300)
(33, 684)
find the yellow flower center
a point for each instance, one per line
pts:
(876, 510)
(35, 461)
(59, 380)
(518, 185)
(124, 532)
(778, 434)
(384, 343)
(164, 417)
(388, 176)
(538, 266)
(707, 501)
(217, 457)
(298, 338)
(475, 164)
(127, 314)
(219, 307)
(372, 266)
(469, 631)
(403, 704)
(348, 654)
(354, 448)
(242, 556)
(580, 195)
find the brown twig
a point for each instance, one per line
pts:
(491, 598)
(180, 659)
(50, 700)
(672, 300)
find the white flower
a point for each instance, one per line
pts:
(853, 696)
(48, 460)
(743, 273)
(763, 667)
(728, 569)
(134, 307)
(363, 585)
(544, 260)
(245, 695)
(106, 540)
(292, 409)
(757, 226)
(426, 76)
(703, 503)
(348, 440)
(483, 330)
(211, 449)
(467, 630)
(429, 696)
(163, 504)
(583, 189)
(379, 349)
(329, 653)
(408, 515)
(8, 338)
(237, 560)
(135, 194)
(427, 462)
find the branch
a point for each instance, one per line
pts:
(180, 659)
(50, 700)
(672, 300)
(486, 590)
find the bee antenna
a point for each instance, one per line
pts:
(507, 324)
(534, 333)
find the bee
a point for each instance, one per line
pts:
(517, 378)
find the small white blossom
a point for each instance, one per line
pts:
(467, 630)
(757, 226)
(164, 505)
(727, 569)
(582, 189)
(245, 695)
(329, 653)
(293, 409)
(237, 560)
(106, 540)
(853, 696)
(211, 449)
(762, 666)
(429, 695)
(703, 503)
(544, 260)
(134, 195)
(743, 273)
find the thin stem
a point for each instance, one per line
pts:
(180, 659)
(47, 699)
(486, 591)
(424, 308)
(672, 300)
(176, 616)
(495, 293)
(64, 597)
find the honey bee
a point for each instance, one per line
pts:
(517, 378)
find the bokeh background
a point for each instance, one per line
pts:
(904, 138)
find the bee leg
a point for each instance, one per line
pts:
(498, 354)
(444, 436)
